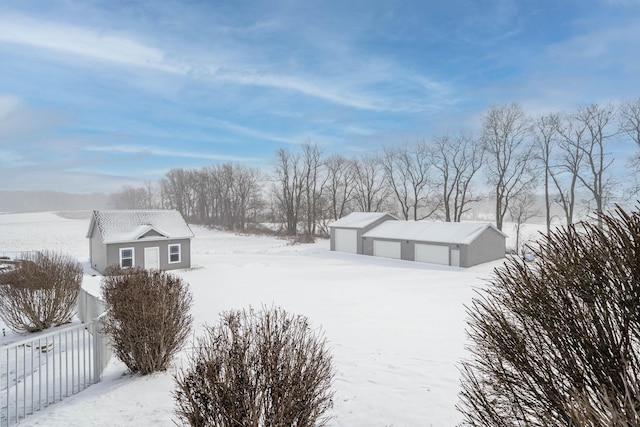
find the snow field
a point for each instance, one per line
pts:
(395, 328)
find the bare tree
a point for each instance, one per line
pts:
(598, 123)
(152, 195)
(509, 154)
(458, 160)
(567, 164)
(340, 185)
(288, 189)
(236, 191)
(129, 198)
(630, 120)
(546, 130)
(208, 189)
(408, 172)
(246, 197)
(371, 191)
(521, 209)
(314, 179)
(630, 126)
(396, 176)
(225, 195)
(202, 201)
(177, 191)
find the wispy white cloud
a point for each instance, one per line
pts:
(610, 43)
(255, 29)
(347, 86)
(162, 152)
(242, 130)
(310, 87)
(11, 159)
(85, 42)
(486, 26)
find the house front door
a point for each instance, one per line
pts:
(152, 258)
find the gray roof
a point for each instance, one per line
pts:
(359, 219)
(426, 231)
(133, 225)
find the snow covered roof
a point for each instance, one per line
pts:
(133, 225)
(426, 231)
(359, 219)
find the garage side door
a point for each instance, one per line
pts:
(386, 249)
(432, 253)
(346, 240)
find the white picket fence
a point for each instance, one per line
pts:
(37, 372)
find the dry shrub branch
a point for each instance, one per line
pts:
(257, 369)
(557, 342)
(149, 318)
(40, 292)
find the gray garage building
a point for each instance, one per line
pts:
(458, 244)
(346, 233)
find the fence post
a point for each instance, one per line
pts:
(101, 348)
(82, 305)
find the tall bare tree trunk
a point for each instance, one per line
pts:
(598, 122)
(546, 130)
(506, 130)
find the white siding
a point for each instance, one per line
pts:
(435, 254)
(346, 240)
(386, 249)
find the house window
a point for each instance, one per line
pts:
(126, 257)
(174, 254)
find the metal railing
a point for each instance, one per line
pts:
(37, 372)
(89, 306)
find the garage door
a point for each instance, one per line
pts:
(432, 253)
(386, 249)
(346, 240)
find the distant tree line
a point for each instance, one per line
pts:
(562, 155)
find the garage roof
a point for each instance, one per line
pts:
(426, 231)
(359, 219)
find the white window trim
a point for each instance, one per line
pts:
(133, 256)
(179, 245)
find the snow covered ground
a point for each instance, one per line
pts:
(395, 328)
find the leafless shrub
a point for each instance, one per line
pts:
(557, 342)
(257, 369)
(302, 239)
(148, 318)
(40, 292)
(257, 230)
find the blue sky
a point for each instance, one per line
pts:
(99, 94)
